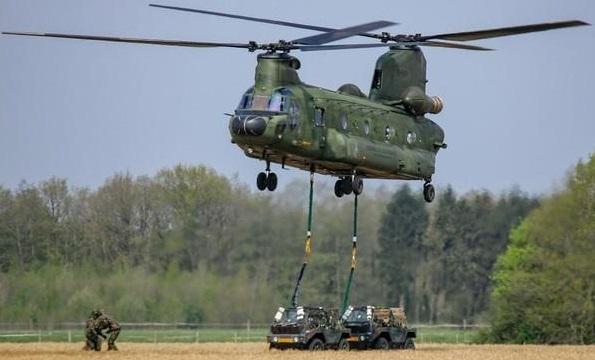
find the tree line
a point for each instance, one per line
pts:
(189, 244)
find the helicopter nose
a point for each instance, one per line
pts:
(248, 125)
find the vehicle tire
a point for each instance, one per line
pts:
(338, 189)
(357, 185)
(429, 193)
(381, 343)
(261, 181)
(343, 345)
(272, 181)
(316, 345)
(346, 186)
(409, 345)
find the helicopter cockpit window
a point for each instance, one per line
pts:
(246, 102)
(319, 116)
(367, 127)
(280, 101)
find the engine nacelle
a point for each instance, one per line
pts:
(416, 101)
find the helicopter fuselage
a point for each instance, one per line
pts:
(282, 120)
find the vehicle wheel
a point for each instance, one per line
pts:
(338, 188)
(346, 186)
(429, 192)
(272, 181)
(357, 185)
(381, 344)
(343, 345)
(261, 181)
(409, 345)
(316, 344)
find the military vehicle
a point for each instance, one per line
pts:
(307, 328)
(343, 133)
(378, 328)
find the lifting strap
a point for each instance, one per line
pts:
(307, 245)
(353, 260)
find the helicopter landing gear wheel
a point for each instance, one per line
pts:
(357, 185)
(272, 181)
(429, 192)
(261, 181)
(339, 188)
(346, 185)
(266, 180)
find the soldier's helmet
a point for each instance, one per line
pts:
(96, 313)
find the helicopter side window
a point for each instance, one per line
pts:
(293, 114)
(389, 133)
(367, 127)
(319, 116)
(343, 121)
(377, 80)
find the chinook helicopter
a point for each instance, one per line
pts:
(342, 133)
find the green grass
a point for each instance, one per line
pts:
(424, 335)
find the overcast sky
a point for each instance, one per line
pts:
(522, 115)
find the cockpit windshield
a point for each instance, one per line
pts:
(279, 101)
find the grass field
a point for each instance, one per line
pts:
(59, 351)
(424, 335)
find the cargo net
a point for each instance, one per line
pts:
(394, 316)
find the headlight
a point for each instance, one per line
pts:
(296, 339)
(275, 339)
(362, 338)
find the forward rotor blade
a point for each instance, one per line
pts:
(506, 31)
(195, 44)
(261, 20)
(405, 44)
(339, 34)
(249, 18)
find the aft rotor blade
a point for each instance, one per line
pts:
(453, 45)
(339, 34)
(256, 19)
(195, 44)
(505, 31)
(404, 44)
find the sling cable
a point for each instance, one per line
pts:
(308, 244)
(353, 259)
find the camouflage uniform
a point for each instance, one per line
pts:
(104, 322)
(92, 336)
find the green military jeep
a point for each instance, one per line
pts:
(378, 328)
(307, 328)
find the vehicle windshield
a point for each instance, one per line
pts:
(289, 315)
(357, 315)
(279, 101)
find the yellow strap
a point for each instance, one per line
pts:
(353, 261)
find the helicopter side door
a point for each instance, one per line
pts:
(320, 126)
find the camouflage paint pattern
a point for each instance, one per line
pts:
(374, 137)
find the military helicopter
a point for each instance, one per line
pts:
(342, 133)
